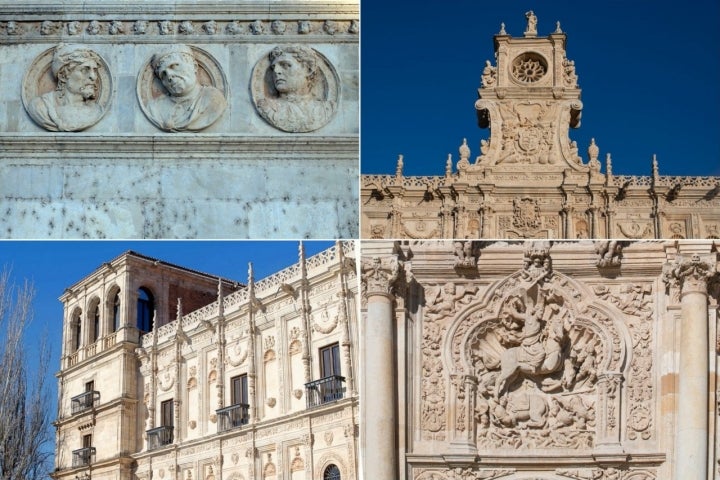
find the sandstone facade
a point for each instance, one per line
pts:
(179, 120)
(256, 381)
(530, 180)
(546, 361)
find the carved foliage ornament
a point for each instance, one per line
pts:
(379, 274)
(295, 89)
(67, 88)
(689, 274)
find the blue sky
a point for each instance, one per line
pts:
(648, 71)
(53, 266)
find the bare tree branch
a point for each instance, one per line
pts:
(24, 397)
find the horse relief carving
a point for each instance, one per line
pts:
(537, 365)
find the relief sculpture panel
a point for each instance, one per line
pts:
(536, 362)
(295, 89)
(182, 88)
(67, 88)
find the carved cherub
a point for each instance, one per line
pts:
(442, 301)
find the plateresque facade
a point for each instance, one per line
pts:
(256, 381)
(530, 180)
(539, 360)
(179, 119)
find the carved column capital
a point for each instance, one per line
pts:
(690, 274)
(379, 275)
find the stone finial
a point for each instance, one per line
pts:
(655, 168)
(608, 165)
(502, 29)
(593, 150)
(179, 310)
(399, 167)
(557, 27)
(251, 276)
(448, 165)
(464, 150)
(531, 30)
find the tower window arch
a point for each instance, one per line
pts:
(332, 472)
(145, 310)
(115, 325)
(76, 329)
(96, 323)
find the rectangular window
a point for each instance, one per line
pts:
(87, 441)
(166, 413)
(238, 390)
(330, 360)
(90, 386)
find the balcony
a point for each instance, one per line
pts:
(232, 417)
(84, 401)
(325, 390)
(83, 457)
(159, 437)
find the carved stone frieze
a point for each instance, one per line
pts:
(186, 28)
(295, 89)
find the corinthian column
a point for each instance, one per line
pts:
(378, 396)
(691, 275)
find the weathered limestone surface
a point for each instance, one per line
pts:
(529, 179)
(111, 153)
(584, 360)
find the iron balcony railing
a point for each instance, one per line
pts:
(83, 457)
(232, 417)
(84, 401)
(325, 390)
(160, 436)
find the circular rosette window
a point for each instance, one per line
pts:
(529, 67)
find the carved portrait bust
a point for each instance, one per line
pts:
(295, 89)
(174, 96)
(67, 89)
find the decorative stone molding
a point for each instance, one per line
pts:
(295, 89)
(219, 28)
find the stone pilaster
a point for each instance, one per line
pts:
(691, 275)
(380, 420)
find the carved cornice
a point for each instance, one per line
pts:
(230, 145)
